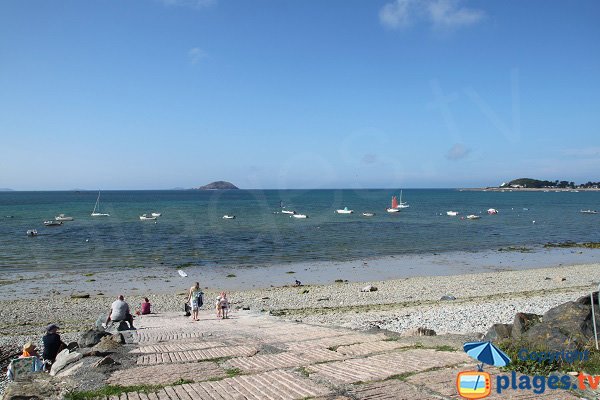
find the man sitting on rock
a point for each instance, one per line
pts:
(119, 311)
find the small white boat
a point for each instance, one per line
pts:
(52, 223)
(368, 214)
(228, 216)
(588, 212)
(63, 217)
(492, 211)
(402, 204)
(452, 213)
(32, 232)
(473, 216)
(292, 212)
(344, 211)
(156, 214)
(393, 210)
(96, 212)
(300, 216)
(146, 217)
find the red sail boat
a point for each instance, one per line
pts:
(394, 208)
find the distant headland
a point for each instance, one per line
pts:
(218, 185)
(529, 184)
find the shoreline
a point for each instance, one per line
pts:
(147, 281)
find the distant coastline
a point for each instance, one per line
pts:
(511, 189)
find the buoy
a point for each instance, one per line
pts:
(534, 222)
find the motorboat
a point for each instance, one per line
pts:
(63, 217)
(368, 214)
(292, 212)
(452, 213)
(32, 232)
(588, 212)
(52, 223)
(492, 211)
(96, 212)
(393, 210)
(155, 214)
(228, 216)
(299, 216)
(146, 217)
(344, 211)
(473, 216)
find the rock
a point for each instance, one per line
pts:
(80, 296)
(63, 359)
(91, 338)
(304, 291)
(369, 288)
(418, 332)
(447, 297)
(265, 298)
(246, 308)
(109, 343)
(498, 332)
(586, 299)
(218, 185)
(567, 326)
(323, 299)
(105, 361)
(522, 323)
(72, 346)
(559, 279)
(37, 389)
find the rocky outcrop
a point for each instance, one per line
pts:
(568, 326)
(91, 338)
(218, 185)
(41, 388)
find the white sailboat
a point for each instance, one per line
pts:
(96, 212)
(402, 204)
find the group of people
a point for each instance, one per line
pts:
(119, 311)
(196, 300)
(52, 346)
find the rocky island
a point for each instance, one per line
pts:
(218, 185)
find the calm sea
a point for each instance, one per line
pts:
(191, 230)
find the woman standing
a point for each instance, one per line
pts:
(195, 300)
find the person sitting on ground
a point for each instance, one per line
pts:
(224, 305)
(52, 344)
(195, 300)
(29, 350)
(145, 306)
(119, 311)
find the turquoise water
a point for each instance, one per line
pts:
(191, 230)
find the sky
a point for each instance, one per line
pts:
(280, 94)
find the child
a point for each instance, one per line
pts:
(218, 305)
(224, 305)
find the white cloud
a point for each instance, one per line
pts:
(189, 3)
(441, 14)
(196, 54)
(457, 152)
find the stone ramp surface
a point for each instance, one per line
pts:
(390, 390)
(195, 355)
(362, 349)
(276, 385)
(164, 348)
(160, 375)
(385, 365)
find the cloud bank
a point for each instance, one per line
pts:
(441, 14)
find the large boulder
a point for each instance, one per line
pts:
(109, 343)
(38, 389)
(91, 338)
(522, 323)
(63, 359)
(567, 326)
(498, 332)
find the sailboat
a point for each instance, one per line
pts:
(402, 204)
(394, 208)
(96, 212)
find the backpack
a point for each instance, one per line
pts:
(199, 299)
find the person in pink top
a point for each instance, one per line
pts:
(145, 306)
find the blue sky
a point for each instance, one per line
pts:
(151, 94)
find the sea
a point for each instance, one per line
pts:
(192, 232)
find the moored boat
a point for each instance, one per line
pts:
(368, 214)
(155, 214)
(32, 232)
(52, 223)
(588, 212)
(492, 211)
(292, 212)
(299, 216)
(96, 212)
(146, 217)
(452, 213)
(394, 208)
(473, 216)
(344, 211)
(63, 217)
(228, 216)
